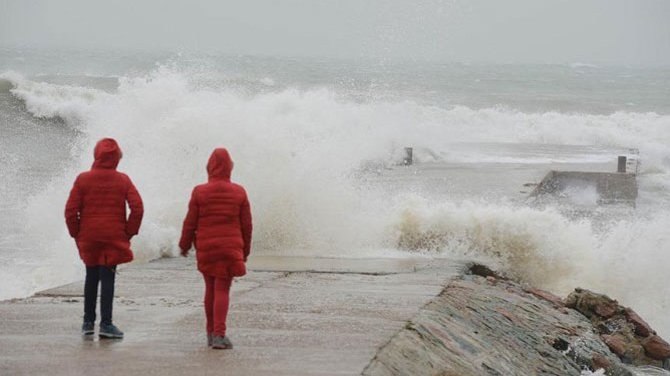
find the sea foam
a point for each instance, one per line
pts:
(299, 153)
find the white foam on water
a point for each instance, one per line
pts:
(638, 371)
(598, 372)
(297, 151)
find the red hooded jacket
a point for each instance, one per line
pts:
(95, 212)
(218, 222)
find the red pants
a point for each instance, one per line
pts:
(217, 298)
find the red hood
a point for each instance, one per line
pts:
(219, 165)
(107, 154)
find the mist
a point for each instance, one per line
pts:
(616, 32)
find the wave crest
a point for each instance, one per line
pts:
(299, 154)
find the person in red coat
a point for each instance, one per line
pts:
(218, 223)
(95, 214)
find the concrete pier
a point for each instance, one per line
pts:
(610, 187)
(417, 318)
(296, 316)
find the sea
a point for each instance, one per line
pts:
(319, 145)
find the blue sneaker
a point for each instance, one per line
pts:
(88, 328)
(109, 331)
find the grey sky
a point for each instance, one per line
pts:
(526, 31)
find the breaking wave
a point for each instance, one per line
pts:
(300, 154)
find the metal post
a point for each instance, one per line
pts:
(622, 164)
(408, 160)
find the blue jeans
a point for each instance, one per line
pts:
(103, 275)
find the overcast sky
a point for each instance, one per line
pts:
(511, 31)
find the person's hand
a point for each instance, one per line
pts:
(184, 253)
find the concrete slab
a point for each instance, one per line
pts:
(336, 265)
(312, 317)
(609, 187)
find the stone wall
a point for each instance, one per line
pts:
(491, 326)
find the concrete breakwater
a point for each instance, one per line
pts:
(317, 317)
(609, 187)
(288, 317)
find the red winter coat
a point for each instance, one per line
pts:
(95, 212)
(218, 222)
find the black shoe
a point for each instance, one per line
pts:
(88, 328)
(221, 343)
(110, 331)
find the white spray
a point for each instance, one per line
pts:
(296, 152)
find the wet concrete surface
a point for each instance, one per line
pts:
(309, 317)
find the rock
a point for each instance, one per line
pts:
(571, 300)
(656, 348)
(606, 309)
(560, 344)
(546, 295)
(615, 343)
(623, 331)
(478, 328)
(509, 316)
(590, 303)
(569, 330)
(641, 327)
(484, 271)
(600, 362)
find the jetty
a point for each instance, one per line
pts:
(310, 316)
(289, 316)
(608, 187)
